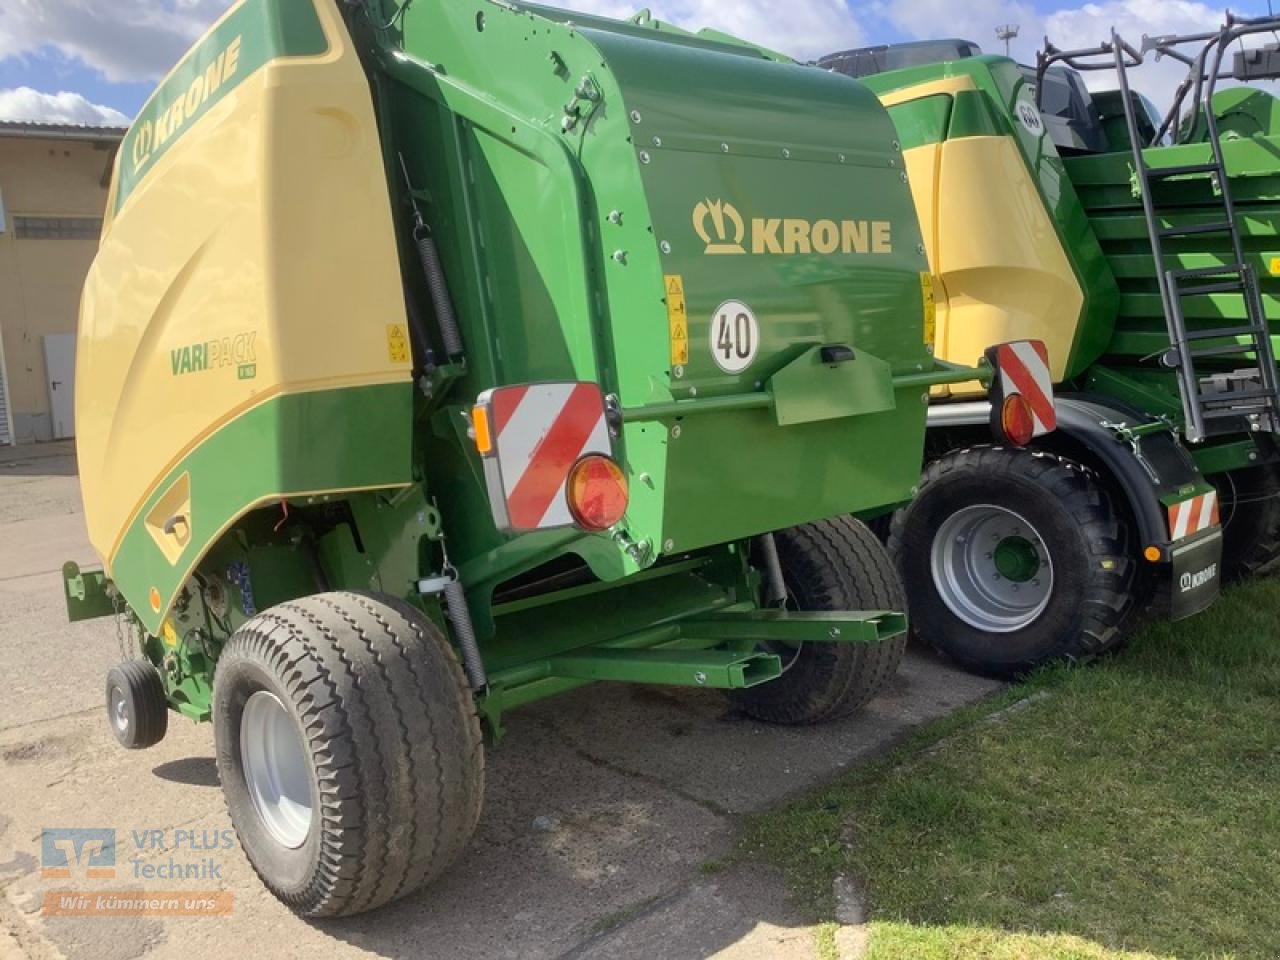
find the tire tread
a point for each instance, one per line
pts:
(394, 737)
(1112, 598)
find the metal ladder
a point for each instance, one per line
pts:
(1210, 404)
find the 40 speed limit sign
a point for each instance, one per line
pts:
(735, 336)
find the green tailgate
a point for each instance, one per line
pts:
(602, 201)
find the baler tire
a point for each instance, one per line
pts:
(387, 739)
(1250, 514)
(1091, 590)
(137, 708)
(835, 564)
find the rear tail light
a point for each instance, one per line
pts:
(597, 492)
(1017, 422)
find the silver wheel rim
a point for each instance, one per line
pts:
(276, 769)
(991, 568)
(119, 710)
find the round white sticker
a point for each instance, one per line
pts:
(1029, 117)
(735, 336)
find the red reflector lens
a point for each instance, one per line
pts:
(597, 492)
(1016, 421)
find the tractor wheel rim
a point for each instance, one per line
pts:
(119, 710)
(276, 769)
(991, 568)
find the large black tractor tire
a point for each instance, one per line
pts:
(833, 564)
(1013, 559)
(136, 705)
(349, 750)
(1249, 508)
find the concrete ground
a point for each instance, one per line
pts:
(602, 806)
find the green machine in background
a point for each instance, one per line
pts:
(442, 357)
(1143, 253)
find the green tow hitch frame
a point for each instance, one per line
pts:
(695, 621)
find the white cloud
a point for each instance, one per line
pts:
(974, 20)
(1079, 27)
(139, 40)
(23, 103)
(802, 28)
(127, 40)
(1091, 24)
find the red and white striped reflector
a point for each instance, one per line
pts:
(1192, 516)
(1024, 369)
(538, 432)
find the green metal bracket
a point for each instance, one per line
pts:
(1128, 434)
(1135, 185)
(945, 373)
(86, 593)
(587, 98)
(941, 373)
(807, 389)
(787, 626)
(435, 386)
(720, 669)
(1153, 397)
(1221, 457)
(710, 649)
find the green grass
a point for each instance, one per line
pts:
(1131, 809)
(824, 942)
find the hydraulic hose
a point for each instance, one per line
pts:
(775, 586)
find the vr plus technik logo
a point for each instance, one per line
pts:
(77, 853)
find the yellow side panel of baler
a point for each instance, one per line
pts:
(1003, 269)
(1000, 272)
(255, 258)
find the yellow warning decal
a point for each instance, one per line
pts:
(930, 308)
(1274, 266)
(397, 343)
(677, 318)
(170, 634)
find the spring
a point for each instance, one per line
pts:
(455, 599)
(439, 290)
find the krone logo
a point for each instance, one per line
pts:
(722, 216)
(1191, 581)
(1029, 116)
(142, 144)
(723, 230)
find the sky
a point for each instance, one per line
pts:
(96, 61)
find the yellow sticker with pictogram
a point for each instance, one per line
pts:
(930, 308)
(169, 633)
(1274, 266)
(677, 318)
(397, 343)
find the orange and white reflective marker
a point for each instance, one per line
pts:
(597, 492)
(1024, 370)
(537, 433)
(154, 597)
(1192, 516)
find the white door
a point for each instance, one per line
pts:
(60, 368)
